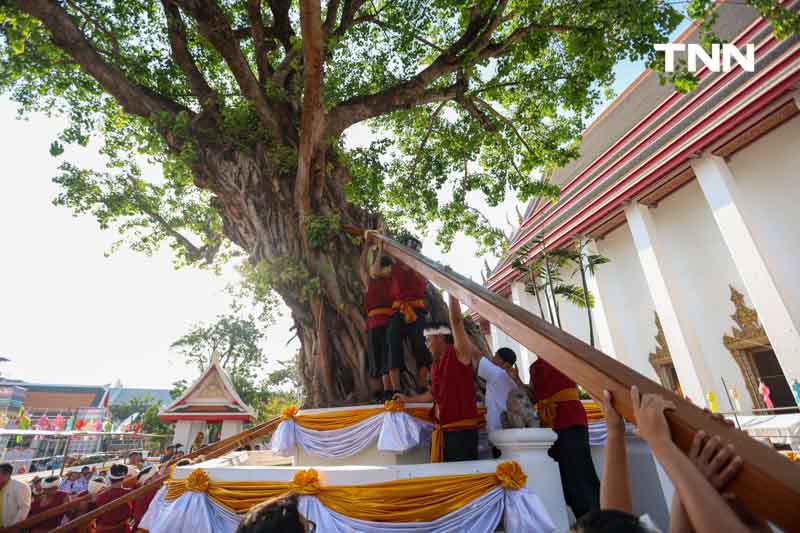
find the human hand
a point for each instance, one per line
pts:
(651, 424)
(718, 463)
(614, 421)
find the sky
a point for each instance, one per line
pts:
(71, 315)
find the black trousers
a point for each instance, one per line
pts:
(578, 477)
(461, 445)
(377, 351)
(398, 332)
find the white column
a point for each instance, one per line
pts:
(602, 331)
(230, 428)
(723, 196)
(687, 356)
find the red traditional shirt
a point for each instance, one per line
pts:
(407, 285)
(115, 520)
(140, 506)
(453, 388)
(546, 381)
(58, 498)
(377, 299)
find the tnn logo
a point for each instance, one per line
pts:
(714, 62)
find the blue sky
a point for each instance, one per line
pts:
(69, 314)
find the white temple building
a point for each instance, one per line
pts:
(694, 199)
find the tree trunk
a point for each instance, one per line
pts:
(586, 298)
(317, 276)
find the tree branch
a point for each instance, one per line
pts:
(133, 98)
(425, 138)
(281, 23)
(259, 41)
(473, 46)
(312, 124)
(100, 27)
(180, 50)
(213, 24)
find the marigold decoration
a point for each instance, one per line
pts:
(289, 412)
(394, 406)
(511, 476)
(306, 482)
(793, 456)
(197, 481)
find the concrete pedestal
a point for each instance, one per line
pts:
(528, 447)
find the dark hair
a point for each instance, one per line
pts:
(85, 469)
(279, 515)
(608, 521)
(386, 261)
(507, 355)
(448, 339)
(6, 469)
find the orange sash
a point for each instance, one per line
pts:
(406, 308)
(437, 439)
(548, 407)
(380, 311)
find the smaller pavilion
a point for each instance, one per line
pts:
(212, 399)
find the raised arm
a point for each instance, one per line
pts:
(706, 508)
(615, 492)
(467, 353)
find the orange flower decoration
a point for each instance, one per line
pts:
(511, 476)
(306, 482)
(289, 412)
(394, 406)
(198, 481)
(792, 456)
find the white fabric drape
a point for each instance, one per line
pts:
(194, 512)
(395, 431)
(597, 433)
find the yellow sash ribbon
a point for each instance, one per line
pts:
(437, 439)
(407, 307)
(548, 407)
(380, 311)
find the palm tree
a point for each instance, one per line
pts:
(584, 262)
(533, 274)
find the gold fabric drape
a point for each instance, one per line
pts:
(330, 420)
(408, 500)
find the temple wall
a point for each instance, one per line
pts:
(768, 175)
(629, 309)
(703, 270)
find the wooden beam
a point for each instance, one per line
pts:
(768, 485)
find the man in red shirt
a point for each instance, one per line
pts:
(141, 503)
(560, 408)
(452, 390)
(115, 520)
(408, 321)
(377, 280)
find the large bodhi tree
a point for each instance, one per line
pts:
(244, 104)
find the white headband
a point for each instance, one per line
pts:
(441, 330)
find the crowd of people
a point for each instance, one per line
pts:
(88, 488)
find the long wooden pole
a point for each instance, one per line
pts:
(768, 485)
(214, 450)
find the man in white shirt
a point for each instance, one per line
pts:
(496, 373)
(15, 497)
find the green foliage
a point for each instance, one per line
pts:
(515, 116)
(282, 273)
(178, 388)
(148, 408)
(321, 228)
(235, 340)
